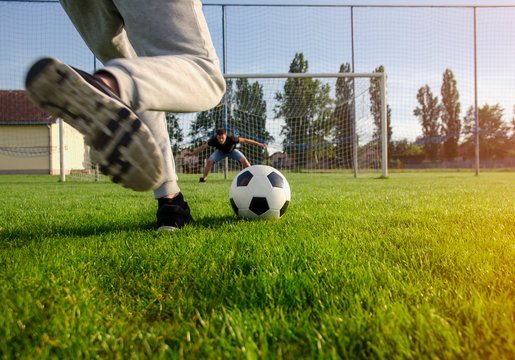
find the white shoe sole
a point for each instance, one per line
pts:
(167, 228)
(120, 143)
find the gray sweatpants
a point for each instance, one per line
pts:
(161, 54)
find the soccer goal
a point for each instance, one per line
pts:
(310, 122)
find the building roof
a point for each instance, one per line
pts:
(16, 109)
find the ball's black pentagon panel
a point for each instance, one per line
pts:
(258, 205)
(244, 178)
(276, 180)
(283, 209)
(234, 207)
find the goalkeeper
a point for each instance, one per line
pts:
(225, 147)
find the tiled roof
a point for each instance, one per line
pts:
(16, 109)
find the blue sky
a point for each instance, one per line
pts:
(415, 45)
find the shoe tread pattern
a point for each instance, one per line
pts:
(120, 143)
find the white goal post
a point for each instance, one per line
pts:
(379, 76)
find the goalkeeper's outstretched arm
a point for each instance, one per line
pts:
(252, 142)
(196, 151)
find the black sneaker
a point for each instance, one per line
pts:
(172, 214)
(120, 143)
(202, 180)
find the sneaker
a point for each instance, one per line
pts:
(173, 214)
(120, 143)
(202, 180)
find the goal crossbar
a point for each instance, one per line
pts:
(305, 75)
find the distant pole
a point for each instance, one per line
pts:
(354, 134)
(62, 176)
(224, 70)
(476, 111)
(384, 127)
(97, 170)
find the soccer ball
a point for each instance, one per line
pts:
(259, 192)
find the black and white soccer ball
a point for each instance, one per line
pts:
(260, 192)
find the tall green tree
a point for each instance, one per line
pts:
(343, 117)
(174, 131)
(375, 109)
(451, 123)
(493, 132)
(208, 121)
(429, 113)
(304, 104)
(404, 150)
(249, 118)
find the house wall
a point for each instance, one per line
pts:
(24, 149)
(34, 149)
(76, 152)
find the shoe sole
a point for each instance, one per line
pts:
(167, 228)
(120, 143)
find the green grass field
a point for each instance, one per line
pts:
(420, 265)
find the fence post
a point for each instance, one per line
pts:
(384, 127)
(476, 111)
(224, 69)
(62, 175)
(354, 134)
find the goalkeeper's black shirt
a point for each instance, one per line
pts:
(227, 147)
